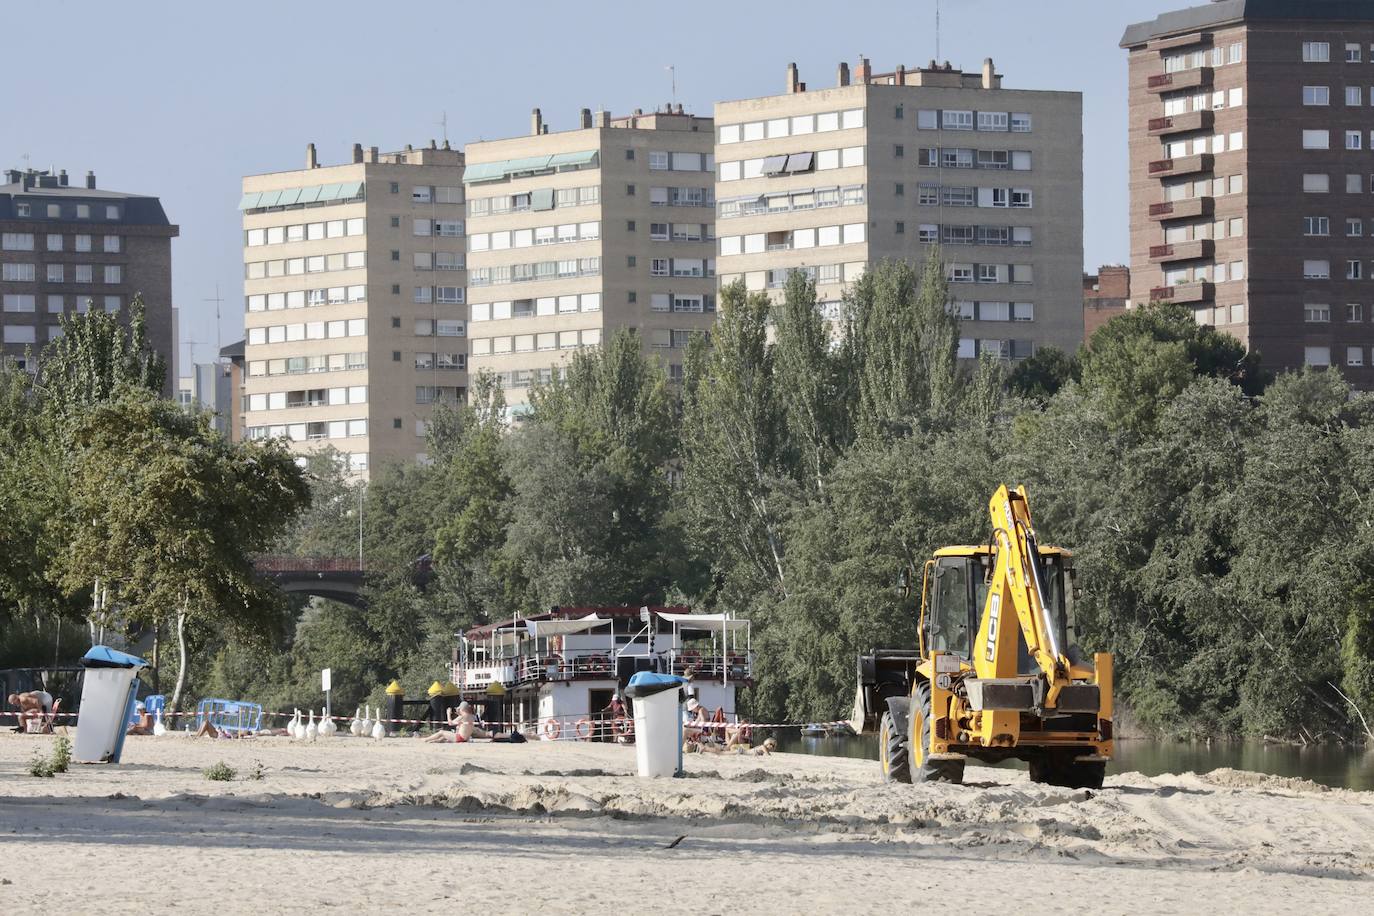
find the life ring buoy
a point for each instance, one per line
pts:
(623, 726)
(552, 729)
(583, 729)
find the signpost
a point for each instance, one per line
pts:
(325, 679)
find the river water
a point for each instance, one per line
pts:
(1331, 765)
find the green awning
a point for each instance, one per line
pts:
(287, 197)
(541, 199)
(573, 159)
(499, 171)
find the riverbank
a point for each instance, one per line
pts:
(365, 826)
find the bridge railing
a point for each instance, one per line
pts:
(285, 564)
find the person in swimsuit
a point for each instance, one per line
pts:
(32, 704)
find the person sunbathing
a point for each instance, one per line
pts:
(32, 704)
(463, 724)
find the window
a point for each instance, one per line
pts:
(1020, 198)
(20, 334)
(421, 227)
(1316, 225)
(658, 160)
(1354, 356)
(1354, 139)
(1316, 95)
(83, 273)
(1316, 356)
(1354, 228)
(54, 304)
(1354, 312)
(1316, 52)
(421, 195)
(1316, 139)
(1354, 95)
(898, 151)
(111, 304)
(1353, 184)
(1316, 314)
(993, 120)
(55, 273)
(20, 302)
(54, 242)
(1352, 53)
(1234, 184)
(1236, 97)
(17, 273)
(956, 120)
(1316, 270)
(1354, 270)
(927, 119)
(23, 241)
(1020, 123)
(1316, 184)
(658, 267)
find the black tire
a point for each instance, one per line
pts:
(892, 733)
(1060, 769)
(922, 769)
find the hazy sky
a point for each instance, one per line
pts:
(181, 99)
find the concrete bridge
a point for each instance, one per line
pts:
(336, 578)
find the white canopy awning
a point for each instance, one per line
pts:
(546, 628)
(711, 622)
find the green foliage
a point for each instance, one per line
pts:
(1042, 374)
(95, 356)
(56, 762)
(219, 772)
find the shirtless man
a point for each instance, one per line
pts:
(33, 704)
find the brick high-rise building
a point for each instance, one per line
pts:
(884, 165)
(64, 248)
(354, 302)
(1251, 128)
(573, 234)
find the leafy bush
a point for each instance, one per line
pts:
(220, 772)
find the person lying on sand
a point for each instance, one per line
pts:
(32, 704)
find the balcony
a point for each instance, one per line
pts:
(1183, 293)
(1181, 251)
(1184, 165)
(1195, 78)
(1181, 209)
(1180, 123)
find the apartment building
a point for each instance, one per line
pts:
(885, 165)
(65, 249)
(1106, 294)
(210, 387)
(1251, 169)
(573, 234)
(354, 302)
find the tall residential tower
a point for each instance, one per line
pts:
(1251, 160)
(884, 165)
(354, 284)
(64, 248)
(573, 234)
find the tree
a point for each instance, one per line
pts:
(1143, 359)
(169, 513)
(902, 343)
(95, 356)
(1040, 375)
(813, 388)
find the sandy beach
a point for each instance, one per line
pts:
(353, 825)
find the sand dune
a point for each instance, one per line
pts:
(361, 826)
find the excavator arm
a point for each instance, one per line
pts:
(1018, 585)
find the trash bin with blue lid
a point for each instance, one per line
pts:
(109, 690)
(657, 702)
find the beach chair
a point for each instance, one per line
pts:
(42, 724)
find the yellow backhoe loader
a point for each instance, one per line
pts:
(997, 674)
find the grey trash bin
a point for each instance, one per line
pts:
(109, 689)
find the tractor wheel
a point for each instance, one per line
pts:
(923, 769)
(1057, 769)
(892, 742)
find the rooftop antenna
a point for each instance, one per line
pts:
(937, 30)
(443, 123)
(217, 300)
(672, 75)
